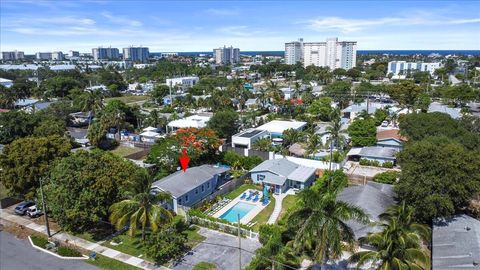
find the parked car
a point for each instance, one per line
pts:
(385, 123)
(21, 208)
(34, 212)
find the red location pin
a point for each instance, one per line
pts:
(184, 159)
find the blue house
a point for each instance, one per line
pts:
(374, 153)
(282, 174)
(390, 138)
(192, 186)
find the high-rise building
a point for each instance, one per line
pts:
(226, 55)
(136, 54)
(58, 56)
(14, 55)
(43, 56)
(403, 67)
(294, 52)
(105, 53)
(73, 54)
(331, 53)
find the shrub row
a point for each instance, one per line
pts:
(376, 163)
(386, 177)
(42, 242)
(39, 241)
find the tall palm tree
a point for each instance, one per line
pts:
(142, 208)
(335, 129)
(291, 136)
(319, 223)
(398, 245)
(313, 144)
(92, 102)
(263, 144)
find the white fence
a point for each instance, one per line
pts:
(227, 228)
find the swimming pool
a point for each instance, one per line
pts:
(240, 208)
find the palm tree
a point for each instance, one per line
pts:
(335, 129)
(92, 101)
(291, 136)
(263, 144)
(319, 223)
(142, 208)
(398, 245)
(313, 144)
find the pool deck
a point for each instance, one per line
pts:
(251, 214)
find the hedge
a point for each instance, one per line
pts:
(386, 177)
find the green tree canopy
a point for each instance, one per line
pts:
(363, 132)
(340, 92)
(438, 176)
(321, 108)
(25, 160)
(224, 123)
(15, 124)
(84, 185)
(405, 93)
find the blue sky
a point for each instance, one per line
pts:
(34, 26)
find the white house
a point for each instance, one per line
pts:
(193, 121)
(402, 67)
(246, 138)
(6, 82)
(277, 127)
(186, 81)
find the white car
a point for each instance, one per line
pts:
(33, 212)
(385, 123)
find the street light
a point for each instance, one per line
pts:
(44, 207)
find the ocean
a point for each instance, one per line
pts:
(360, 52)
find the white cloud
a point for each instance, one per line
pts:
(121, 20)
(347, 25)
(223, 12)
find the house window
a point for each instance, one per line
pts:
(186, 198)
(208, 185)
(203, 188)
(196, 191)
(260, 177)
(180, 201)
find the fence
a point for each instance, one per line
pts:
(223, 227)
(225, 188)
(247, 152)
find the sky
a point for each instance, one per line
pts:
(186, 26)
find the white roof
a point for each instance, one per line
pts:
(150, 129)
(278, 126)
(2, 80)
(195, 121)
(150, 134)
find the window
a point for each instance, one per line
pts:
(203, 188)
(208, 185)
(186, 198)
(180, 201)
(260, 177)
(196, 191)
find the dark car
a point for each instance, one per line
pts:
(21, 208)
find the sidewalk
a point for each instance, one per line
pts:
(82, 243)
(278, 205)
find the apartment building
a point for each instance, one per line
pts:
(226, 55)
(105, 53)
(403, 67)
(58, 56)
(294, 52)
(43, 56)
(136, 54)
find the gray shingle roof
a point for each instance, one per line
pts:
(180, 182)
(456, 243)
(282, 167)
(274, 179)
(379, 152)
(373, 198)
(301, 173)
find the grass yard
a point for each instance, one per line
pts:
(232, 195)
(264, 215)
(204, 266)
(288, 204)
(110, 264)
(129, 99)
(193, 236)
(129, 245)
(125, 150)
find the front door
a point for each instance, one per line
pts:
(278, 189)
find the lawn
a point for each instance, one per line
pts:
(125, 150)
(194, 238)
(129, 99)
(129, 245)
(288, 204)
(204, 266)
(110, 264)
(264, 215)
(232, 195)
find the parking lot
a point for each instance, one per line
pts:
(220, 249)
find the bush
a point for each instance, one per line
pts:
(165, 245)
(68, 252)
(375, 163)
(39, 241)
(387, 164)
(386, 177)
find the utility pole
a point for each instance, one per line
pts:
(368, 100)
(171, 98)
(44, 207)
(239, 244)
(331, 155)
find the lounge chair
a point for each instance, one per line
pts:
(243, 195)
(256, 198)
(249, 196)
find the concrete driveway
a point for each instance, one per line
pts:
(220, 249)
(19, 254)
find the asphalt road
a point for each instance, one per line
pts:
(18, 254)
(217, 249)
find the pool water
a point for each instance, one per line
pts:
(240, 208)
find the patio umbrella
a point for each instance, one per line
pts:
(265, 195)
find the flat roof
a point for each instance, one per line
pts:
(279, 126)
(251, 133)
